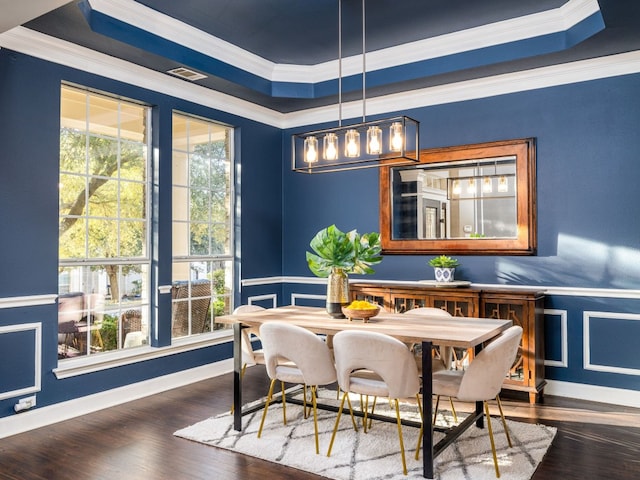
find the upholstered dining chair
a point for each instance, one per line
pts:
(312, 364)
(445, 354)
(396, 373)
(482, 380)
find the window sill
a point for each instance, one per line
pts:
(104, 361)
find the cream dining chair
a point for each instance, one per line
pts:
(311, 364)
(395, 370)
(482, 380)
(445, 354)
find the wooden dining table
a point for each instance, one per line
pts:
(462, 332)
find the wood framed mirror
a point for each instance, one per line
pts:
(477, 199)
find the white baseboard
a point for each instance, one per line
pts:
(41, 417)
(593, 393)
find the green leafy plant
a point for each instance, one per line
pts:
(350, 251)
(443, 261)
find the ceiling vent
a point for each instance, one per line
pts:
(186, 74)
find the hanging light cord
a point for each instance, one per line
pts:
(339, 63)
(364, 67)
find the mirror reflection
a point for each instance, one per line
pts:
(455, 200)
(469, 199)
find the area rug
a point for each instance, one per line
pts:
(376, 454)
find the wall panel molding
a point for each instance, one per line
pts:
(587, 337)
(37, 359)
(27, 301)
(564, 340)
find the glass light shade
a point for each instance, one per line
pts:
(330, 146)
(487, 186)
(471, 186)
(503, 184)
(311, 149)
(374, 140)
(396, 139)
(455, 189)
(352, 143)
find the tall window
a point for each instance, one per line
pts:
(103, 235)
(202, 224)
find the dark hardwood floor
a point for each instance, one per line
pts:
(135, 440)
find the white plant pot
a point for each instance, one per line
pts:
(444, 274)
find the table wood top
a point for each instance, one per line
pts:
(463, 332)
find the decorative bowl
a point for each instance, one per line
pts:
(360, 313)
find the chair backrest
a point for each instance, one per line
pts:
(388, 357)
(302, 347)
(426, 311)
(248, 355)
(484, 376)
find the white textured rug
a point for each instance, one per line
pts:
(374, 455)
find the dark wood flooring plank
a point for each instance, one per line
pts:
(135, 440)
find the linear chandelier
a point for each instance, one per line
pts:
(390, 141)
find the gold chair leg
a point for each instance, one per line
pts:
(453, 410)
(421, 426)
(504, 421)
(266, 406)
(365, 410)
(315, 417)
(373, 408)
(304, 402)
(353, 418)
(435, 409)
(493, 445)
(284, 404)
(404, 462)
(335, 427)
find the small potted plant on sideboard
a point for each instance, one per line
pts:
(444, 268)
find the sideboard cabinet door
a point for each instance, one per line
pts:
(524, 308)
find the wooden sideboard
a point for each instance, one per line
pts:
(523, 307)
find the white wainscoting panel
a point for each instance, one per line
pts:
(613, 316)
(564, 342)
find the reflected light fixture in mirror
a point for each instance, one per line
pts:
(487, 185)
(428, 208)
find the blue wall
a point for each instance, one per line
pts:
(589, 234)
(588, 172)
(29, 158)
(587, 179)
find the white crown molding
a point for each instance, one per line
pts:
(150, 20)
(65, 53)
(507, 31)
(544, 77)
(58, 51)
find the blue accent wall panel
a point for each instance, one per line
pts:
(614, 342)
(552, 338)
(29, 160)
(17, 369)
(611, 341)
(587, 171)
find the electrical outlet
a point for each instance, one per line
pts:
(25, 404)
